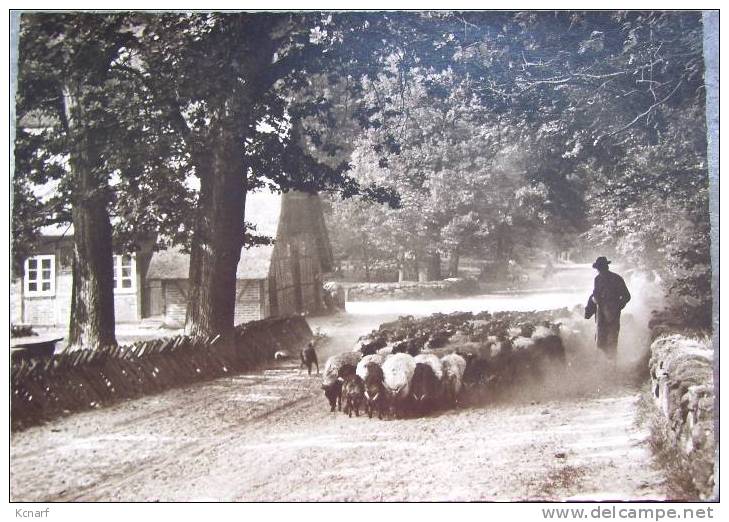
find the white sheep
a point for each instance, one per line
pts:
(362, 365)
(433, 361)
(522, 343)
(387, 350)
(335, 363)
(542, 332)
(398, 371)
(454, 366)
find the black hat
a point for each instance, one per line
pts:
(601, 262)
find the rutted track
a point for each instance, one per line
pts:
(270, 436)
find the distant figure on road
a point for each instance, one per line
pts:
(548, 269)
(609, 297)
(308, 357)
(515, 274)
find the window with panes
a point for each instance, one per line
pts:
(124, 273)
(40, 275)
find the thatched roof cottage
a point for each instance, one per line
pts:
(279, 279)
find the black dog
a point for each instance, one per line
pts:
(308, 357)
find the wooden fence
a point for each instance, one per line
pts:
(74, 381)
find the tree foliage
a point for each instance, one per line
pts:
(492, 134)
(600, 138)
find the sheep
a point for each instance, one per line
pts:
(336, 369)
(552, 348)
(375, 393)
(425, 388)
(281, 355)
(433, 361)
(400, 347)
(411, 346)
(439, 338)
(308, 357)
(398, 374)
(454, 366)
(364, 362)
(478, 370)
(370, 346)
(353, 391)
(387, 350)
(522, 343)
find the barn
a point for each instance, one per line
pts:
(279, 279)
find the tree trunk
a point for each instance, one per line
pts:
(366, 258)
(401, 270)
(92, 295)
(408, 269)
(218, 237)
(431, 269)
(453, 260)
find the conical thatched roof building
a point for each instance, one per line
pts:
(302, 252)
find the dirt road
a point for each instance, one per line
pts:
(270, 436)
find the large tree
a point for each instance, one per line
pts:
(239, 90)
(69, 91)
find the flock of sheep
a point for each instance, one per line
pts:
(395, 383)
(416, 366)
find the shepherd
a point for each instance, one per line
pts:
(609, 297)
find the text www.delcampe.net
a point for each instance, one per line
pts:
(630, 513)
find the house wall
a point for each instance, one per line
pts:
(16, 301)
(155, 299)
(251, 301)
(55, 310)
(52, 310)
(175, 302)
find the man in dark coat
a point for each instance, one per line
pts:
(609, 297)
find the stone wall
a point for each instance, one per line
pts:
(412, 290)
(682, 386)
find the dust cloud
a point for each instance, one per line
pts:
(588, 372)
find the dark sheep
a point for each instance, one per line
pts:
(308, 358)
(425, 388)
(400, 347)
(375, 393)
(333, 391)
(371, 347)
(551, 348)
(353, 391)
(412, 346)
(439, 338)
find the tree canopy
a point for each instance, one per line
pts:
(490, 134)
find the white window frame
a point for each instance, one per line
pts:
(39, 280)
(118, 274)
